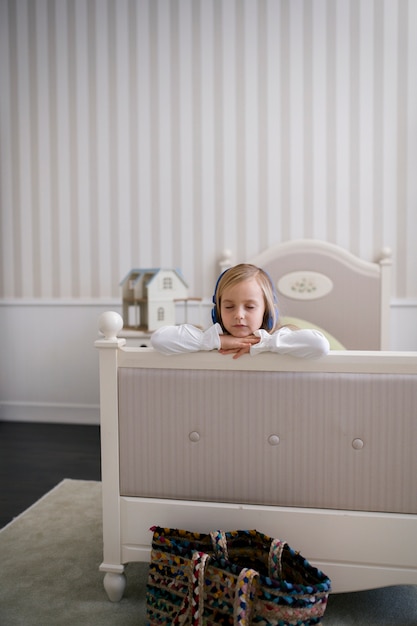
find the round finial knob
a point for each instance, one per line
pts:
(226, 262)
(110, 323)
(385, 257)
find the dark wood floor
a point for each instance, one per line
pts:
(36, 457)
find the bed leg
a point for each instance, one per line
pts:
(114, 584)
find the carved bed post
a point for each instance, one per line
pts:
(385, 263)
(109, 324)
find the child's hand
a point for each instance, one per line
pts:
(237, 345)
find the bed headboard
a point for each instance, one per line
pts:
(332, 289)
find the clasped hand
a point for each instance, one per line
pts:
(237, 345)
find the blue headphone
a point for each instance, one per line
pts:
(214, 315)
(269, 319)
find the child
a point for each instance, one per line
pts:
(245, 320)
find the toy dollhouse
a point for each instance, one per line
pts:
(149, 297)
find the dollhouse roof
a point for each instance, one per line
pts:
(153, 272)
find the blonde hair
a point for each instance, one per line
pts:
(246, 271)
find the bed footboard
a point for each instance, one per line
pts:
(319, 453)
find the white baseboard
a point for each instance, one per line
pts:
(50, 413)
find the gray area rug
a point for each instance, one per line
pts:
(49, 558)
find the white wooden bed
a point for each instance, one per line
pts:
(320, 453)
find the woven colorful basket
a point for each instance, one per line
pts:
(236, 578)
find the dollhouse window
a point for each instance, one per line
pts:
(161, 314)
(167, 282)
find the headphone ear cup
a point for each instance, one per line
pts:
(214, 315)
(270, 320)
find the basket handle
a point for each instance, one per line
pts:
(219, 542)
(244, 596)
(275, 558)
(244, 592)
(199, 563)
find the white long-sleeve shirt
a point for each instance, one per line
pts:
(304, 343)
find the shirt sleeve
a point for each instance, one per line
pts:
(303, 343)
(185, 338)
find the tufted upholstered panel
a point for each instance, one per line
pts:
(326, 440)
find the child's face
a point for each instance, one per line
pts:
(242, 308)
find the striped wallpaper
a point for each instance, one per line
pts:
(153, 133)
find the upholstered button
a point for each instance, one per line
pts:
(357, 444)
(194, 436)
(273, 440)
